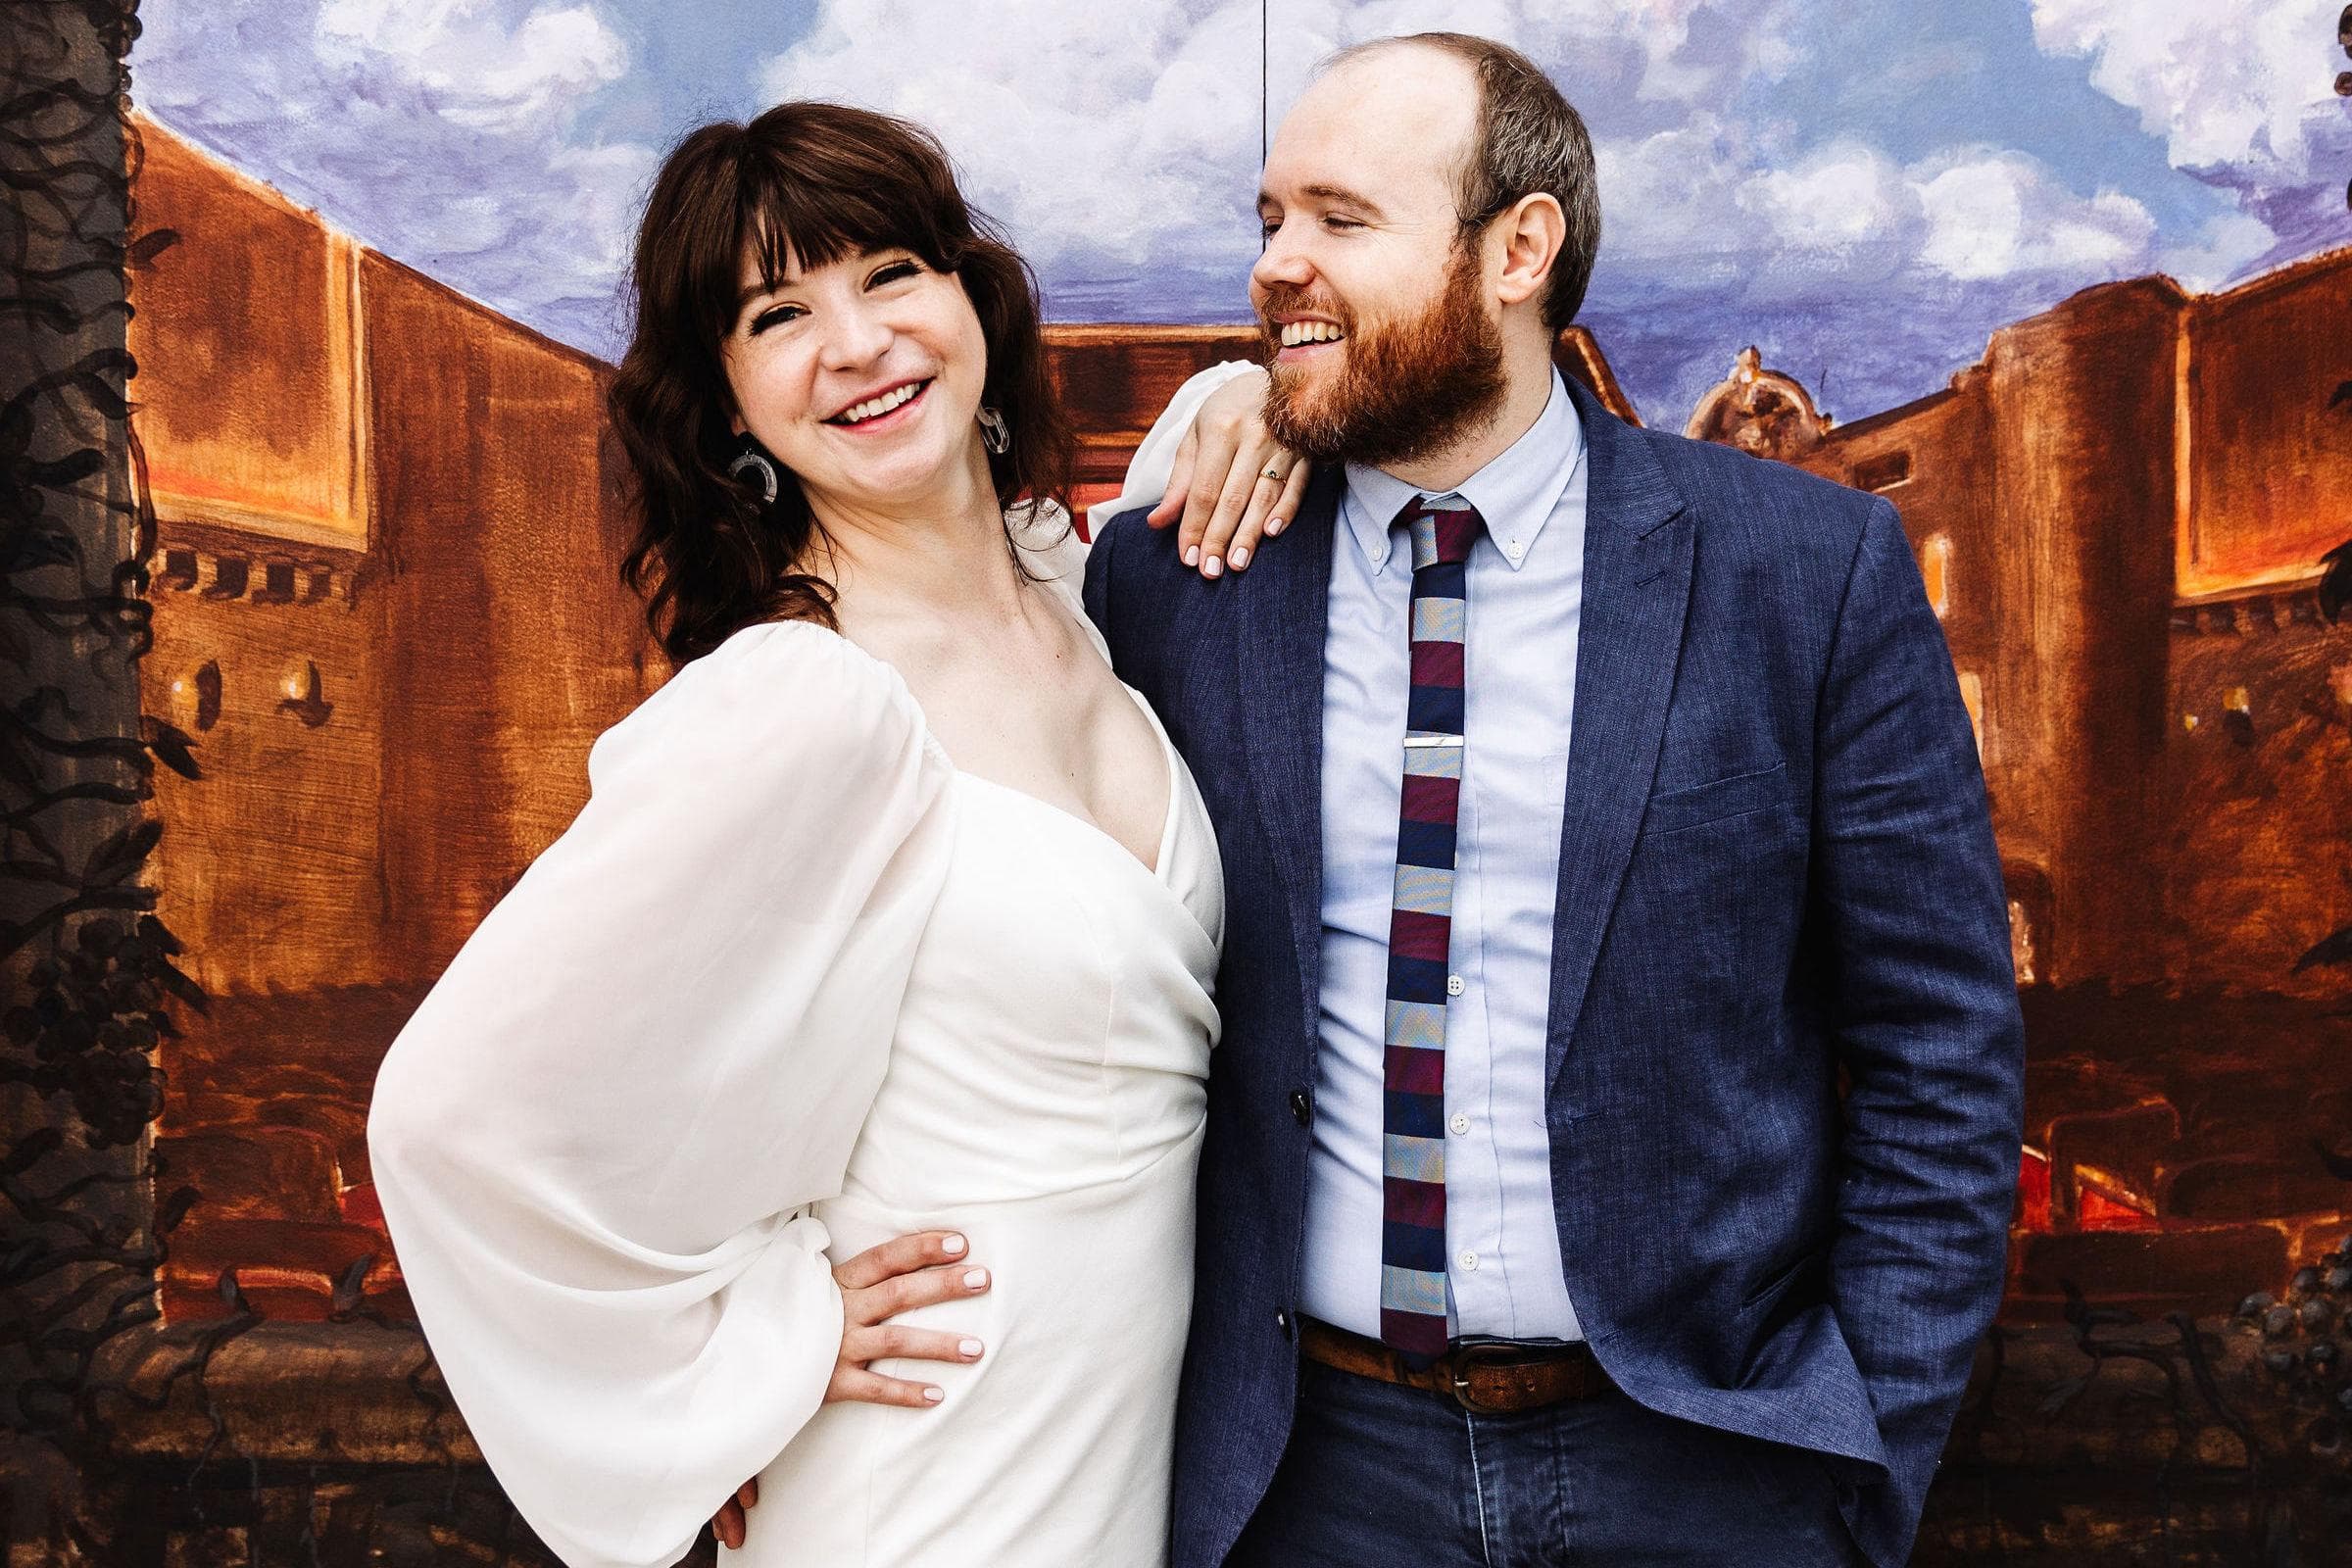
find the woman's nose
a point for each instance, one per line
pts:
(855, 337)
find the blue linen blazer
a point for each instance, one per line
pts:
(1777, 863)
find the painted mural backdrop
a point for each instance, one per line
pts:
(309, 588)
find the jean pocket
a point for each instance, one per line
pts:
(1787, 1477)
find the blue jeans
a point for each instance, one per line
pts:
(1377, 1475)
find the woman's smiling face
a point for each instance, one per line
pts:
(863, 376)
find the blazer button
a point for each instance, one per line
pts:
(1300, 1111)
(1282, 1323)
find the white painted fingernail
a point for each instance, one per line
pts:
(1273, 527)
(1192, 557)
(974, 1278)
(951, 1246)
(1241, 557)
(1216, 567)
(970, 1346)
(935, 1395)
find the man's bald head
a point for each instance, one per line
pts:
(1419, 257)
(1516, 135)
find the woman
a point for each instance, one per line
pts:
(886, 937)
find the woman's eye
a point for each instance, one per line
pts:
(893, 271)
(767, 319)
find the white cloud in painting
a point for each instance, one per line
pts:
(1115, 137)
(1847, 219)
(440, 131)
(475, 66)
(1113, 130)
(2002, 215)
(2224, 248)
(1119, 143)
(1112, 136)
(2227, 84)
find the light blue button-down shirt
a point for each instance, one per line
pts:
(1525, 596)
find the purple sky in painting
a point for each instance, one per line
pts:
(1864, 188)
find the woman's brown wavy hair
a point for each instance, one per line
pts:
(809, 182)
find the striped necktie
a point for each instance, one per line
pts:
(1412, 1252)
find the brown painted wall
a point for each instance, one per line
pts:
(2182, 845)
(476, 639)
(510, 643)
(2273, 441)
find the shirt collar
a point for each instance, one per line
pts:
(1516, 493)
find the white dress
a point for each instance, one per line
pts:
(790, 985)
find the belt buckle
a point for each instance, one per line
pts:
(1468, 1355)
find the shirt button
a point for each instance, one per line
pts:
(1454, 986)
(1469, 1262)
(1460, 1123)
(1301, 1110)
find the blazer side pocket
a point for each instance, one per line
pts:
(1702, 804)
(1778, 1282)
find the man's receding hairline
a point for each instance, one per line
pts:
(1370, 48)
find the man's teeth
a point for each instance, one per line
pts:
(1295, 333)
(873, 408)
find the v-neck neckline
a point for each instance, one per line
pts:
(1158, 868)
(1156, 871)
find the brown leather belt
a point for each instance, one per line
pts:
(1493, 1378)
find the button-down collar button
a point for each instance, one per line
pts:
(1454, 986)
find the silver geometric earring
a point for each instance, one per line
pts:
(752, 459)
(995, 433)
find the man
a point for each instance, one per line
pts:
(1592, 800)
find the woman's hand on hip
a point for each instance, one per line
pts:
(883, 1282)
(876, 1285)
(1233, 482)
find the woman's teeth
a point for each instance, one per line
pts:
(1295, 333)
(876, 408)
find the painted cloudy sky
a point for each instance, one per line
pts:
(1863, 187)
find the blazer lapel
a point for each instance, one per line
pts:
(1286, 606)
(1636, 590)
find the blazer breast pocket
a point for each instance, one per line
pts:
(1677, 810)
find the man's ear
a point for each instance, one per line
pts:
(1531, 231)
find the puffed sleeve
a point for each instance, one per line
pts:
(591, 1138)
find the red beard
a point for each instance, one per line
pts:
(1401, 392)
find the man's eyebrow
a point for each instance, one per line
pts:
(1344, 197)
(1337, 195)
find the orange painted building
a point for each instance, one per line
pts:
(2120, 513)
